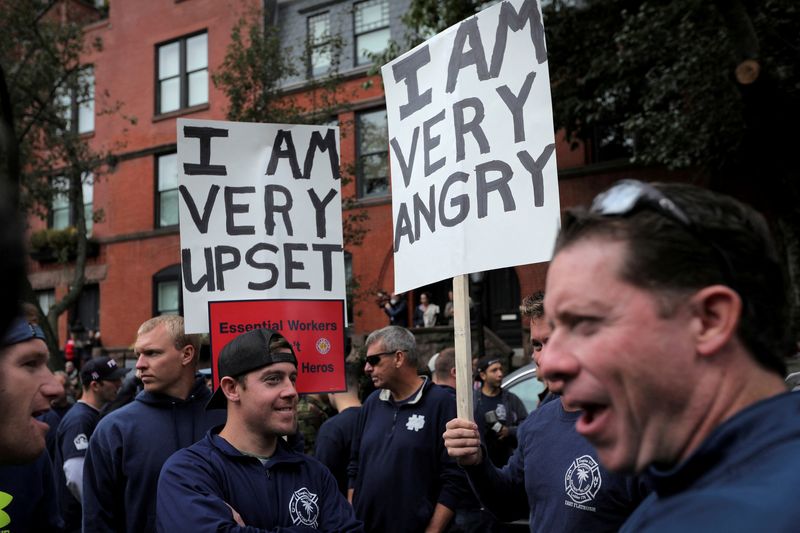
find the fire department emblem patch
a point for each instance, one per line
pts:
(582, 480)
(303, 508)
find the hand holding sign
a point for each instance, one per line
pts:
(473, 151)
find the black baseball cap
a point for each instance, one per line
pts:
(101, 369)
(487, 361)
(247, 352)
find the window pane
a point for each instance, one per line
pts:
(64, 103)
(88, 213)
(168, 301)
(168, 60)
(88, 189)
(167, 172)
(198, 87)
(371, 15)
(88, 200)
(371, 43)
(374, 174)
(373, 132)
(320, 60)
(86, 84)
(46, 299)
(86, 117)
(170, 95)
(60, 201)
(61, 218)
(318, 28)
(168, 208)
(197, 52)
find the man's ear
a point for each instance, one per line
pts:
(230, 388)
(453, 371)
(187, 355)
(716, 313)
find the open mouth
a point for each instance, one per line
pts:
(593, 418)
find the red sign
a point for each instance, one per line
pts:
(314, 327)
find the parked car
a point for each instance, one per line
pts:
(523, 383)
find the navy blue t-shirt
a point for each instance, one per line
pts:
(333, 444)
(72, 440)
(566, 487)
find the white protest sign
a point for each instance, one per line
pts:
(474, 183)
(260, 214)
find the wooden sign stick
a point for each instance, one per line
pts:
(463, 345)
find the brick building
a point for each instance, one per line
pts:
(157, 59)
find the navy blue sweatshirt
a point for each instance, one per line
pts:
(128, 449)
(399, 467)
(741, 478)
(557, 468)
(291, 492)
(334, 442)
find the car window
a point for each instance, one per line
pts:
(528, 389)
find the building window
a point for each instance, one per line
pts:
(182, 73)
(88, 203)
(46, 298)
(371, 27)
(608, 143)
(319, 52)
(59, 210)
(166, 190)
(62, 215)
(372, 173)
(167, 294)
(77, 102)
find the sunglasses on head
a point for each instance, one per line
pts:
(375, 358)
(628, 196)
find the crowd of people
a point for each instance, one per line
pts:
(660, 338)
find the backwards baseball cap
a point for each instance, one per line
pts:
(486, 362)
(101, 369)
(21, 330)
(247, 352)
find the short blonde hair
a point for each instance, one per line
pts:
(174, 326)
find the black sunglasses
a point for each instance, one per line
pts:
(375, 358)
(628, 196)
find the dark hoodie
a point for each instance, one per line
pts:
(292, 492)
(128, 449)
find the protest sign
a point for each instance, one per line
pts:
(260, 214)
(313, 327)
(474, 183)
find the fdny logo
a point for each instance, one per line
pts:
(303, 508)
(323, 345)
(81, 442)
(415, 422)
(582, 480)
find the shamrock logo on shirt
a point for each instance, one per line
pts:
(415, 422)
